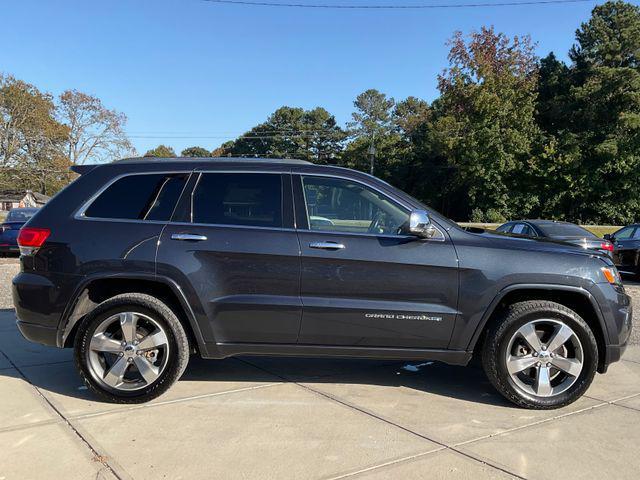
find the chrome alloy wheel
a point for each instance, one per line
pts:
(128, 351)
(544, 358)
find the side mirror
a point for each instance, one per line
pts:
(608, 236)
(420, 224)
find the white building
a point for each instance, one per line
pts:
(20, 199)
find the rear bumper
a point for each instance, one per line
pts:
(8, 248)
(38, 333)
(40, 301)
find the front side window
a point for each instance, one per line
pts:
(247, 199)
(341, 205)
(139, 197)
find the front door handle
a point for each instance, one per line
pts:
(189, 237)
(327, 245)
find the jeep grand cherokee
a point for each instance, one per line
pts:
(139, 263)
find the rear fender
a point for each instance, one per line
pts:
(68, 320)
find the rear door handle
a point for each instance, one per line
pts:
(189, 237)
(327, 245)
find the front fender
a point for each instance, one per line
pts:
(467, 338)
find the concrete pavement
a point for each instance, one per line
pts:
(305, 419)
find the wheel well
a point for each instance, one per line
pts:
(576, 301)
(100, 290)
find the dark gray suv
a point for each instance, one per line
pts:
(139, 263)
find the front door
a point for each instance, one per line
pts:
(363, 283)
(237, 252)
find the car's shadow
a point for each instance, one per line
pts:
(333, 376)
(53, 370)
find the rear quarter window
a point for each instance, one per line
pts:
(139, 197)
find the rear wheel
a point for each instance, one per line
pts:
(131, 349)
(540, 355)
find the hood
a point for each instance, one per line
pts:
(540, 244)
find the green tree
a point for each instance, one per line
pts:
(161, 151)
(592, 111)
(32, 140)
(289, 132)
(611, 37)
(223, 150)
(484, 122)
(371, 132)
(195, 152)
(606, 101)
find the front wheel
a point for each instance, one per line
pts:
(131, 349)
(540, 355)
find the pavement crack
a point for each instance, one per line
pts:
(97, 456)
(443, 446)
(172, 401)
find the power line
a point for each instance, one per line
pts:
(234, 133)
(394, 7)
(209, 137)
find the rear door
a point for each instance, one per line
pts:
(233, 246)
(363, 283)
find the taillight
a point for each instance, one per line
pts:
(608, 246)
(29, 239)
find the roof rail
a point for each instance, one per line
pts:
(216, 159)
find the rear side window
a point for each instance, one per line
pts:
(248, 199)
(139, 197)
(522, 229)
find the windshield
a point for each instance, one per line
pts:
(555, 230)
(20, 215)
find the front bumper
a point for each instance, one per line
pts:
(613, 354)
(617, 310)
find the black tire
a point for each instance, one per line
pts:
(178, 355)
(502, 330)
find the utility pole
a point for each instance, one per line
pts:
(372, 154)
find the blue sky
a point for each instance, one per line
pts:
(196, 69)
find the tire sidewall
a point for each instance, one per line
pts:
(589, 348)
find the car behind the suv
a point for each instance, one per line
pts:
(141, 262)
(558, 231)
